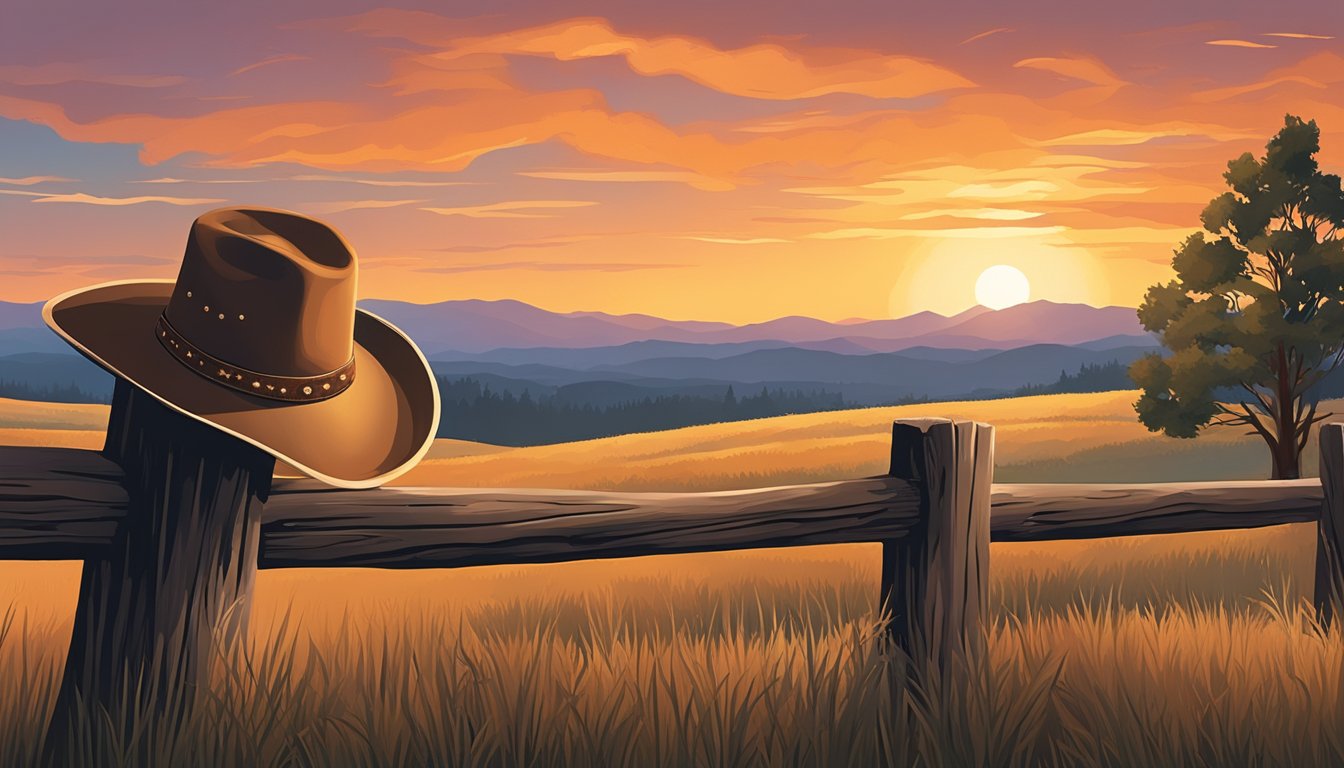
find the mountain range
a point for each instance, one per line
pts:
(475, 326)
(595, 357)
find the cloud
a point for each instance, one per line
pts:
(680, 177)
(337, 206)
(547, 266)
(1020, 190)
(278, 59)
(1239, 44)
(734, 240)
(379, 182)
(61, 73)
(974, 233)
(1083, 68)
(28, 181)
(1110, 137)
(986, 33)
(1299, 36)
(1222, 94)
(516, 209)
(85, 199)
(755, 71)
(171, 180)
(990, 214)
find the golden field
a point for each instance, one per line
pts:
(1174, 650)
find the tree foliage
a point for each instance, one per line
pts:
(1255, 317)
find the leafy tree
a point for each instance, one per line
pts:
(1255, 317)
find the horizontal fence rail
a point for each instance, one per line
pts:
(62, 503)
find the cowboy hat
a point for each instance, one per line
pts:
(259, 337)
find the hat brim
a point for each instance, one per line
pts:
(369, 434)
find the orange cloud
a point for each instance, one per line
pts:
(986, 33)
(59, 73)
(756, 71)
(85, 199)
(514, 209)
(1239, 44)
(1079, 68)
(1299, 36)
(681, 177)
(337, 206)
(28, 181)
(279, 59)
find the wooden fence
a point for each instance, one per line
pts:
(172, 519)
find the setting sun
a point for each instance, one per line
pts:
(1002, 286)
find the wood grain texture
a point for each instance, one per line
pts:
(175, 581)
(62, 503)
(55, 502)
(934, 580)
(1329, 595)
(307, 525)
(1056, 511)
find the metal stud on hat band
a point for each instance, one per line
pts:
(291, 389)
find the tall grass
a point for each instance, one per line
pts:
(741, 660)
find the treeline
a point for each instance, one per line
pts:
(51, 393)
(1098, 377)
(472, 411)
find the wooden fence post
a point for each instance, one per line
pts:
(177, 579)
(934, 580)
(1329, 597)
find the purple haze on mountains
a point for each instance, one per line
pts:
(477, 326)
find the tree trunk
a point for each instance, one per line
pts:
(173, 586)
(1285, 457)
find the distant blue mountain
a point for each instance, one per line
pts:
(596, 358)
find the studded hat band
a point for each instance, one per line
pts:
(291, 389)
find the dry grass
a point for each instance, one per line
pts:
(1175, 650)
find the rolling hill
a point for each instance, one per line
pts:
(1084, 438)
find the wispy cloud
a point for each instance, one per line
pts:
(379, 182)
(1018, 190)
(974, 233)
(1109, 137)
(1299, 36)
(755, 71)
(547, 266)
(267, 62)
(337, 206)
(85, 199)
(989, 214)
(28, 181)
(1239, 44)
(60, 73)
(734, 240)
(171, 180)
(515, 209)
(1083, 68)
(986, 33)
(695, 180)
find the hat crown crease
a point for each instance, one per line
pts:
(269, 291)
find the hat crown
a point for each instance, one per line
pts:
(266, 290)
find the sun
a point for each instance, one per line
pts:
(1002, 286)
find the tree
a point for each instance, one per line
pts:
(1255, 317)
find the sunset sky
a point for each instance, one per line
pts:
(706, 160)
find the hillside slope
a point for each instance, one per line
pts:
(1082, 438)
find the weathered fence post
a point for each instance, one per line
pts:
(934, 580)
(178, 576)
(1329, 597)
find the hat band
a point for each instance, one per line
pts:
(290, 389)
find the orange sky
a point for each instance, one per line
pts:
(847, 160)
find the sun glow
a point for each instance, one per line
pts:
(1002, 286)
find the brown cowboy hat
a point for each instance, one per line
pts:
(259, 337)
